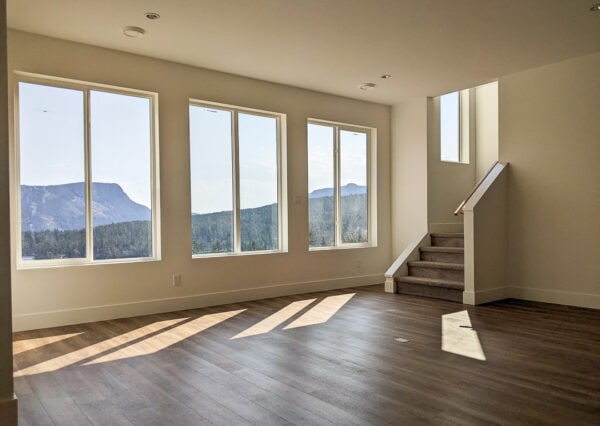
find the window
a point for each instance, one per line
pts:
(340, 185)
(454, 127)
(237, 181)
(86, 173)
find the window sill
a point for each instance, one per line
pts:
(343, 247)
(234, 254)
(47, 264)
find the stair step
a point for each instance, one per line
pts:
(432, 282)
(436, 265)
(443, 254)
(437, 270)
(448, 234)
(447, 240)
(427, 287)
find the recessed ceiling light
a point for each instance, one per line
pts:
(134, 32)
(366, 86)
(386, 76)
(152, 15)
(595, 7)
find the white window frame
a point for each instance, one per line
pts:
(86, 88)
(371, 133)
(282, 212)
(463, 128)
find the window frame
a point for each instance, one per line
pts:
(281, 143)
(85, 87)
(371, 184)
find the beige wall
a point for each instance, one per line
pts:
(409, 173)
(486, 226)
(7, 401)
(550, 134)
(73, 294)
(448, 183)
(486, 128)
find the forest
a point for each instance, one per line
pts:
(211, 233)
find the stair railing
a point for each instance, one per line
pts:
(459, 209)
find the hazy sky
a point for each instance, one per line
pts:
(353, 154)
(449, 127)
(52, 139)
(211, 160)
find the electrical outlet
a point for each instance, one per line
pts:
(358, 264)
(177, 280)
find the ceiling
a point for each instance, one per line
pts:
(428, 46)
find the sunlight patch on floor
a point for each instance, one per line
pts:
(96, 349)
(21, 346)
(167, 338)
(276, 319)
(459, 338)
(322, 312)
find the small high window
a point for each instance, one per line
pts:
(237, 181)
(86, 173)
(454, 127)
(450, 127)
(341, 191)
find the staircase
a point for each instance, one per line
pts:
(440, 272)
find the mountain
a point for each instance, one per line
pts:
(63, 206)
(349, 189)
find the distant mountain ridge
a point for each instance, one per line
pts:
(63, 206)
(349, 189)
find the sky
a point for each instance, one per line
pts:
(211, 159)
(353, 154)
(52, 139)
(449, 127)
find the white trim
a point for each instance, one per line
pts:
(583, 300)
(485, 296)
(152, 306)
(559, 297)
(400, 266)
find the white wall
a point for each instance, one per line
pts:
(486, 226)
(550, 134)
(448, 183)
(8, 407)
(409, 173)
(52, 296)
(486, 128)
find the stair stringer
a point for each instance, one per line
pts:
(400, 266)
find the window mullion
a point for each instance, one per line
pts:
(336, 187)
(237, 233)
(88, 177)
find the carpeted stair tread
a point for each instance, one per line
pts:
(441, 249)
(432, 282)
(448, 235)
(436, 265)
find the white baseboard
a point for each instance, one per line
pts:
(39, 320)
(582, 300)
(9, 412)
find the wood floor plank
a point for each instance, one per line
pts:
(542, 365)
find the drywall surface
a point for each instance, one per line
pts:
(550, 134)
(45, 297)
(486, 128)
(409, 173)
(8, 404)
(448, 183)
(486, 226)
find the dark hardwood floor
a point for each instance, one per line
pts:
(542, 365)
